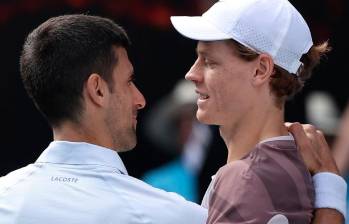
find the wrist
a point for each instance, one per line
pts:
(330, 192)
(328, 166)
(327, 169)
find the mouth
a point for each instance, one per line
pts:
(202, 96)
(134, 121)
(134, 116)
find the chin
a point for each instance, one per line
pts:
(124, 150)
(127, 147)
(125, 141)
(203, 118)
(208, 118)
(131, 144)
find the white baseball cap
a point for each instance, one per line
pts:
(274, 27)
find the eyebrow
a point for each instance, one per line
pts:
(202, 52)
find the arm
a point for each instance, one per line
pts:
(327, 215)
(318, 158)
(341, 144)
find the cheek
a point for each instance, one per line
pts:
(219, 83)
(228, 91)
(122, 101)
(220, 91)
(124, 96)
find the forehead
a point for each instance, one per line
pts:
(123, 62)
(214, 47)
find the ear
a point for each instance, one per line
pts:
(97, 90)
(264, 69)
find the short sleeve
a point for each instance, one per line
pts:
(238, 196)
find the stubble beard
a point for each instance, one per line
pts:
(124, 138)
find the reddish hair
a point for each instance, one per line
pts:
(283, 84)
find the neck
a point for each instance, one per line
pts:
(78, 132)
(254, 127)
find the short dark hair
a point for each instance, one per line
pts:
(60, 55)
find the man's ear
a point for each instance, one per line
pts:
(97, 90)
(264, 69)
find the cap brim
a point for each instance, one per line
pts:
(197, 28)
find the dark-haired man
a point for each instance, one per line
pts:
(76, 70)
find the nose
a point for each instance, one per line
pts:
(139, 99)
(195, 73)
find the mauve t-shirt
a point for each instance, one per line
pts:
(271, 179)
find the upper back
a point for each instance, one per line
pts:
(77, 193)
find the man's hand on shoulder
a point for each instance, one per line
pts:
(330, 188)
(313, 147)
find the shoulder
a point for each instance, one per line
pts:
(264, 182)
(279, 164)
(238, 196)
(233, 184)
(156, 205)
(239, 171)
(14, 177)
(231, 173)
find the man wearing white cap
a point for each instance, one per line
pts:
(252, 56)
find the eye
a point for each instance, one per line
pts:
(209, 63)
(131, 80)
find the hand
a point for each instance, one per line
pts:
(313, 148)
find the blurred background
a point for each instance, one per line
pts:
(161, 58)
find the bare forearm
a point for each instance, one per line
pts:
(341, 144)
(341, 151)
(326, 216)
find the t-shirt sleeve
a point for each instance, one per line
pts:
(238, 196)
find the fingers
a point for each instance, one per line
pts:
(299, 134)
(313, 147)
(288, 124)
(321, 137)
(308, 143)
